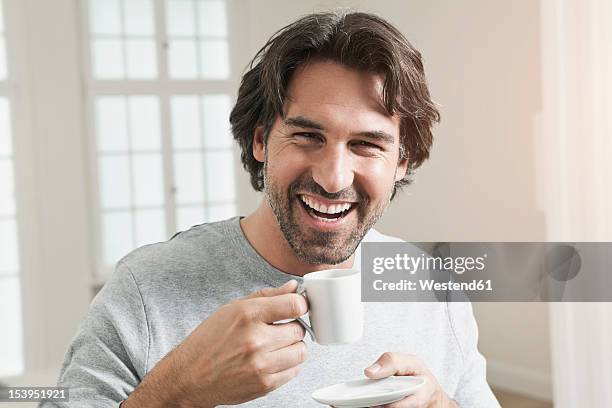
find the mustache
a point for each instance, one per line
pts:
(308, 185)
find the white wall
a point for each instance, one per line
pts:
(52, 179)
(482, 59)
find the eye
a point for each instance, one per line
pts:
(307, 136)
(367, 145)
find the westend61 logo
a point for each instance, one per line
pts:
(412, 264)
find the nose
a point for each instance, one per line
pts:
(333, 169)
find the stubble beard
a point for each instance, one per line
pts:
(310, 245)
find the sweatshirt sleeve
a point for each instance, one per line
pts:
(473, 391)
(106, 360)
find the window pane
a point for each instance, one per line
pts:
(148, 179)
(181, 20)
(220, 212)
(219, 176)
(138, 16)
(150, 226)
(2, 58)
(111, 124)
(185, 122)
(7, 188)
(144, 123)
(212, 21)
(141, 59)
(215, 111)
(5, 128)
(9, 261)
(107, 58)
(187, 217)
(115, 181)
(11, 340)
(117, 233)
(188, 178)
(104, 17)
(214, 59)
(182, 63)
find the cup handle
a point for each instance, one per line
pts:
(302, 291)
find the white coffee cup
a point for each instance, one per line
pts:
(335, 308)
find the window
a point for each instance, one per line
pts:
(197, 39)
(202, 156)
(130, 173)
(122, 39)
(159, 95)
(11, 353)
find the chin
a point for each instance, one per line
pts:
(321, 254)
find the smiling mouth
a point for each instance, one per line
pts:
(325, 213)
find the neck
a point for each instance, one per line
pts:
(264, 234)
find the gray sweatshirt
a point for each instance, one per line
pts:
(159, 293)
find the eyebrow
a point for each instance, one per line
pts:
(301, 121)
(375, 135)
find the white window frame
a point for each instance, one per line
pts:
(164, 88)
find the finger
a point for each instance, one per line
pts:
(275, 308)
(283, 377)
(283, 335)
(394, 364)
(411, 401)
(288, 287)
(288, 357)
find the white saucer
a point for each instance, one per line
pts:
(367, 393)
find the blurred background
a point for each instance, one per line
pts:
(114, 134)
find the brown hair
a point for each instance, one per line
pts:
(356, 40)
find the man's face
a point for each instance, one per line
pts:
(331, 163)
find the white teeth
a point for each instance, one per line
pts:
(325, 219)
(331, 209)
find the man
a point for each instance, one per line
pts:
(331, 117)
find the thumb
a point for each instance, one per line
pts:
(383, 367)
(288, 287)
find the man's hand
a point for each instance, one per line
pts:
(234, 356)
(429, 395)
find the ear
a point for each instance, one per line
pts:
(401, 169)
(259, 148)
